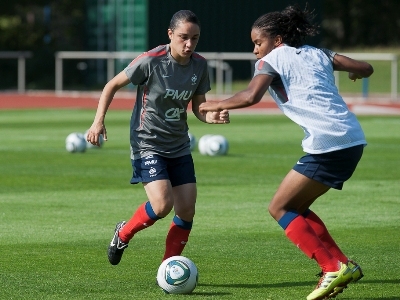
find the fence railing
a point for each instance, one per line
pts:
(21, 56)
(217, 58)
(393, 58)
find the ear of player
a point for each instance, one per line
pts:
(76, 142)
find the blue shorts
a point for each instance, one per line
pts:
(332, 168)
(178, 170)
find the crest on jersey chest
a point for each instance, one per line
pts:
(194, 79)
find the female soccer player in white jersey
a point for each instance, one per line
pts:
(300, 79)
(167, 77)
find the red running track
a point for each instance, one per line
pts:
(125, 101)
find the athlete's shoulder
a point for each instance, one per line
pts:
(328, 52)
(196, 55)
(156, 53)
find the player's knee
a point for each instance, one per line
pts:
(163, 208)
(275, 210)
(185, 213)
(271, 211)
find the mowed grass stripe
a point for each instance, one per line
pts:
(58, 211)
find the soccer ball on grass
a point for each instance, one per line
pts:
(75, 142)
(217, 145)
(177, 275)
(203, 144)
(90, 145)
(213, 145)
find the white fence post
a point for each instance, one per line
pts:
(21, 56)
(219, 58)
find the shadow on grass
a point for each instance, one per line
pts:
(380, 298)
(291, 284)
(260, 285)
(203, 294)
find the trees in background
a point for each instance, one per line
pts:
(47, 26)
(43, 27)
(30, 25)
(361, 23)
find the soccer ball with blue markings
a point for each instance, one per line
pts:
(177, 275)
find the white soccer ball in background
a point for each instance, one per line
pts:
(177, 275)
(89, 145)
(213, 145)
(75, 142)
(192, 141)
(217, 145)
(203, 144)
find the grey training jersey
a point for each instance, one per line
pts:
(164, 89)
(304, 89)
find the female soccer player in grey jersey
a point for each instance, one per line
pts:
(301, 81)
(167, 78)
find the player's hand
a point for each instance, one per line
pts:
(218, 117)
(210, 105)
(354, 76)
(94, 132)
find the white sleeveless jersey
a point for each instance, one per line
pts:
(164, 89)
(304, 89)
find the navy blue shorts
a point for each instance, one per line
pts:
(332, 168)
(178, 170)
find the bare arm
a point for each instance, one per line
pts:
(248, 97)
(357, 69)
(215, 117)
(98, 127)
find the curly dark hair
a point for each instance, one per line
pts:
(293, 24)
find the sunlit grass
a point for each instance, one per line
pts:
(58, 211)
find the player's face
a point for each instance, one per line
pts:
(184, 39)
(263, 43)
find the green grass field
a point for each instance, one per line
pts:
(58, 211)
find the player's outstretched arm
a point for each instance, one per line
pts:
(357, 69)
(248, 97)
(98, 127)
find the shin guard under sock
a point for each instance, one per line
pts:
(143, 217)
(322, 232)
(177, 237)
(303, 236)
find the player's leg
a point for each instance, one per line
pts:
(152, 172)
(181, 225)
(334, 169)
(294, 191)
(159, 205)
(322, 232)
(183, 180)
